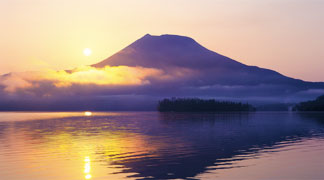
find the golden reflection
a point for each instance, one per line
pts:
(88, 113)
(114, 143)
(88, 176)
(87, 167)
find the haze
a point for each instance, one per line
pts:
(286, 36)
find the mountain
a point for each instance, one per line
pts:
(214, 74)
(172, 51)
(150, 69)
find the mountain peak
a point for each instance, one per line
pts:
(166, 50)
(162, 50)
(166, 43)
(167, 36)
(147, 35)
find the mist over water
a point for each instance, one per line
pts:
(152, 145)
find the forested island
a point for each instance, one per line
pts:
(201, 105)
(315, 105)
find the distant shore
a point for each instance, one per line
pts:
(201, 105)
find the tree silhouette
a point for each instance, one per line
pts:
(201, 105)
(316, 105)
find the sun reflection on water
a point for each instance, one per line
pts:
(88, 113)
(87, 167)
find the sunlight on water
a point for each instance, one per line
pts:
(151, 145)
(87, 167)
(88, 113)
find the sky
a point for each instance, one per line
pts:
(283, 35)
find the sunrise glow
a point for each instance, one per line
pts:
(149, 89)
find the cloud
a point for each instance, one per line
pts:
(90, 88)
(135, 87)
(109, 75)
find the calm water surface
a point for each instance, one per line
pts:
(152, 145)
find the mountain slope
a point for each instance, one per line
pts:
(172, 51)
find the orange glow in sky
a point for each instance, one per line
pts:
(280, 35)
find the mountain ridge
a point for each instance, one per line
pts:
(150, 51)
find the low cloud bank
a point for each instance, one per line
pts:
(132, 88)
(117, 75)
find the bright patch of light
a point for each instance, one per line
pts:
(88, 176)
(87, 52)
(87, 167)
(88, 113)
(87, 159)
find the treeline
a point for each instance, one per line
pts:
(201, 105)
(275, 107)
(316, 105)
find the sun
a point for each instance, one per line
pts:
(87, 52)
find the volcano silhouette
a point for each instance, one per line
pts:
(187, 69)
(173, 51)
(214, 74)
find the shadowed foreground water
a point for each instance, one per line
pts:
(152, 145)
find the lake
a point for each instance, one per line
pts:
(153, 145)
